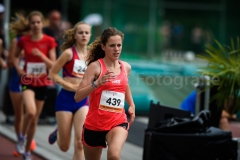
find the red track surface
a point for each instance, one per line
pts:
(6, 150)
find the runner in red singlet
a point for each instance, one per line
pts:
(39, 54)
(106, 83)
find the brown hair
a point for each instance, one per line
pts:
(35, 13)
(69, 36)
(95, 49)
(19, 25)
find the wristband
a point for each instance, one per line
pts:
(42, 56)
(94, 85)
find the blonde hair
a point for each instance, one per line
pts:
(69, 36)
(36, 13)
(95, 49)
(19, 25)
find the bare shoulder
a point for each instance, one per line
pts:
(68, 51)
(13, 42)
(94, 65)
(127, 66)
(67, 54)
(94, 69)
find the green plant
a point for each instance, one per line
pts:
(224, 67)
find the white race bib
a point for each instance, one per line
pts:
(112, 101)
(36, 69)
(79, 68)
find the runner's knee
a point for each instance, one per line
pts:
(64, 147)
(113, 156)
(79, 145)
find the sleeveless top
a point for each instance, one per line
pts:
(106, 108)
(75, 67)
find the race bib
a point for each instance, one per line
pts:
(79, 68)
(36, 69)
(112, 101)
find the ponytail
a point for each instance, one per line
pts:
(95, 51)
(69, 39)
(19, 24)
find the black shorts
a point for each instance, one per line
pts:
(40, 92)
(97, 138)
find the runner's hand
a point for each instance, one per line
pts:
(4, 64)
(74, 87)
(131, 111)
(37, 52)
(21, 72)
(106, 77)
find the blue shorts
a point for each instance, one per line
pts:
(66, 102)
(15, 81)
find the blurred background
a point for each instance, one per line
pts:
(150, 26)
(162, 38)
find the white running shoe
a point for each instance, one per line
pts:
(20, 146)
(26, 157)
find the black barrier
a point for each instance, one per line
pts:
(209, 143)
(158, 113)
(205, 92)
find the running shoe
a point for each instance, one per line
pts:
(20, 146)
(16, 154)
(26, 157)
(33, 145)
(52, 138)
(32, 148)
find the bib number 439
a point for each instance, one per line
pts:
(112, 101)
